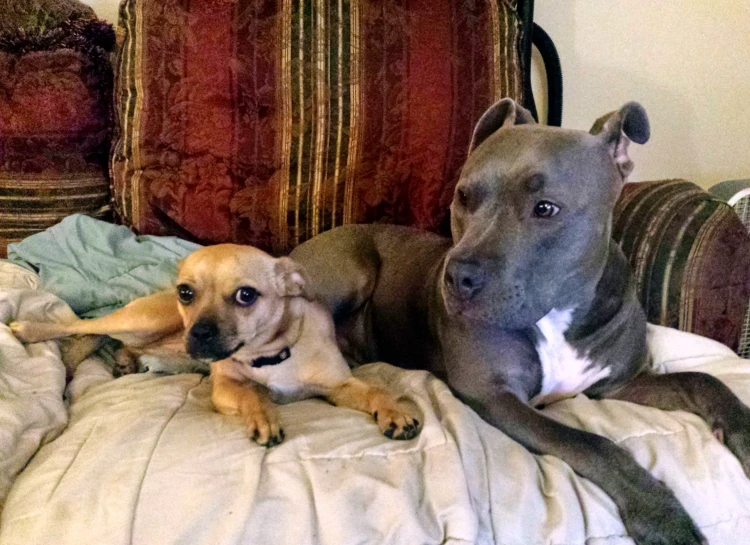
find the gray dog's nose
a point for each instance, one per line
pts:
(204, 330)
(465, 277)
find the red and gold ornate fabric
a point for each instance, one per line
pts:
(266, 122)
(55, 125)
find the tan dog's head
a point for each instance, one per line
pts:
(235, 299)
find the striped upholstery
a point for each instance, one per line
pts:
(55, 124)
(31, 203)
(690, 255)
(268, 121)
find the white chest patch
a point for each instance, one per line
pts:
(284, 380)
(565, 373)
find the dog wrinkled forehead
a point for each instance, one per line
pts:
(535, 157)
(506, 126)
(514, 144)
(232, 262)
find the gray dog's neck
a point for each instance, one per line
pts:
(604, 298)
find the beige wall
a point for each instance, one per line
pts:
(105, 9)
(686, 61)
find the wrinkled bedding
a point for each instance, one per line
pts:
(144, 459)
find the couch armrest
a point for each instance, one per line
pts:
(690, 255)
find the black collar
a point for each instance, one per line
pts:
(285, 354)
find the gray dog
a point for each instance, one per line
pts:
(530, 302)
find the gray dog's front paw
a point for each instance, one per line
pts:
(659, 519)
(126, 363)
(736, 436)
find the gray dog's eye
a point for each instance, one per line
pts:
(545, 209)
(462, 197)
(185, 294)
(246, 296)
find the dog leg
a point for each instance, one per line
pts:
(140, 322)
(74, 350)
(698, 393)
(341, 285)
(126, 362)
(393, 421)
(249, 400)
(651, 513)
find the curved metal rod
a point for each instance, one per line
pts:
(553, 69)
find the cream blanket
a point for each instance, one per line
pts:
(145, 460)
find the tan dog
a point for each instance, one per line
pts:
(250, 316)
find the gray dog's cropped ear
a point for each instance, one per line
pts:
(290, 279)
(618, 129)
(504, 113)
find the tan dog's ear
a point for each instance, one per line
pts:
(290, 279)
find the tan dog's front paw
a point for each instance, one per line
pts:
(34, 332)
(249, 400)
(395, 423)
(263, 426)
(19, 330)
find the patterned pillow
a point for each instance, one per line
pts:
(55, 125)
(266, 122)
(691, 257)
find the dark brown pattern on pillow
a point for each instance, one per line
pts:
(55, 126)
(266, 122)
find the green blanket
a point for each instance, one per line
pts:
(97, 267)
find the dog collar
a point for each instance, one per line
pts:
(285, 354)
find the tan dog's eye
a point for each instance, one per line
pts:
(246, 296)
(185, 294)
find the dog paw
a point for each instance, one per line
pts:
(396, 423)
(658, 518)
(263, 427)
(126, 363)
(736, 436)
(19, 330)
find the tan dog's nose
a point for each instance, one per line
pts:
(204, 341)
(204, 330)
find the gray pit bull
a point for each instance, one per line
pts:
(531, 302)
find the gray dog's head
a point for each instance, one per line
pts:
(532, 212)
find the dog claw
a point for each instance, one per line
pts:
(391, 429)
(396, 425)
(274, 440)
(410, 431)
(263, 427)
